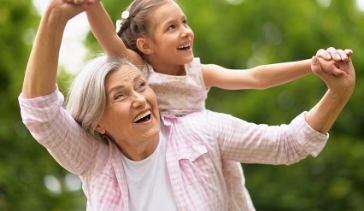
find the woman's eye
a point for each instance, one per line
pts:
(118, 96)
(142, 85)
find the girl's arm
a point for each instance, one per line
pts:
(265, 76)
(261, 77)
(104, 30)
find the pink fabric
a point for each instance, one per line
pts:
(197, 144)
(178, 95)
(182, 95)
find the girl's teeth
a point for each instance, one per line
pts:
(185, 46)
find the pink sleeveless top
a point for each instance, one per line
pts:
(178, 95)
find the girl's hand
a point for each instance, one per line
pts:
(79, 2)
(335, 54)
(331, 59)
(337, 84)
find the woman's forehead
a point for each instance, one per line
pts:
(125, 74)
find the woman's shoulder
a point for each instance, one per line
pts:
(203, 120)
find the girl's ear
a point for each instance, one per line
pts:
(144, 46)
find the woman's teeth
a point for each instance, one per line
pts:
(141, 116)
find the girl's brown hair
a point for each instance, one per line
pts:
(137, 24)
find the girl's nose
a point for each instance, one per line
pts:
(187, 31)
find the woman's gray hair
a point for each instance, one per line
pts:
(86, 96)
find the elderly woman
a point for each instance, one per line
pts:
(130, 158)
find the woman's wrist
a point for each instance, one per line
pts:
(340, 94)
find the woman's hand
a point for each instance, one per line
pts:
(41, 72)
(70, 8)
(340, 88)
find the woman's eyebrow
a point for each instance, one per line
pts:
(136, 78)
(115, 88)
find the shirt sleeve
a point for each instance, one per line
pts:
(56, 130)
(252, 143)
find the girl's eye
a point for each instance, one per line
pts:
(171, 27)
(184, 22)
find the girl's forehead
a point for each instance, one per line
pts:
(164, 12)
(167, 6)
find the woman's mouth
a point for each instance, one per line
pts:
(142, 117)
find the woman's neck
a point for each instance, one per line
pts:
(139, 151)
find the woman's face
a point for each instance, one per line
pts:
(131, 116)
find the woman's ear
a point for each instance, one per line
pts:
(100, 129)
(144, 46)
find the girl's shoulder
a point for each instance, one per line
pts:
(194, 65)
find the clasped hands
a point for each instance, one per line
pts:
(335, 68)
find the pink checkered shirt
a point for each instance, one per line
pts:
(196, 147)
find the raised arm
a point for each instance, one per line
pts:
(322, 116)
(48, 122)
(41, 72)
(266, 76)
(103, 29)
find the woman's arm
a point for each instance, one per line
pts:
(322, 116)
(286, 144)
(41, 71)
(41, 105)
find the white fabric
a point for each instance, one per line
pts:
(148, 181)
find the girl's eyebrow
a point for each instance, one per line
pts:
(167, 23)
(171, 20)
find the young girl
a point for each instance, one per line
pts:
(155, 36)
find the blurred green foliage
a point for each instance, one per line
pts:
(239, 34)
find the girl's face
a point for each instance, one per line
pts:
(171, 37)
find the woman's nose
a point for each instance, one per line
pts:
(138, 100)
